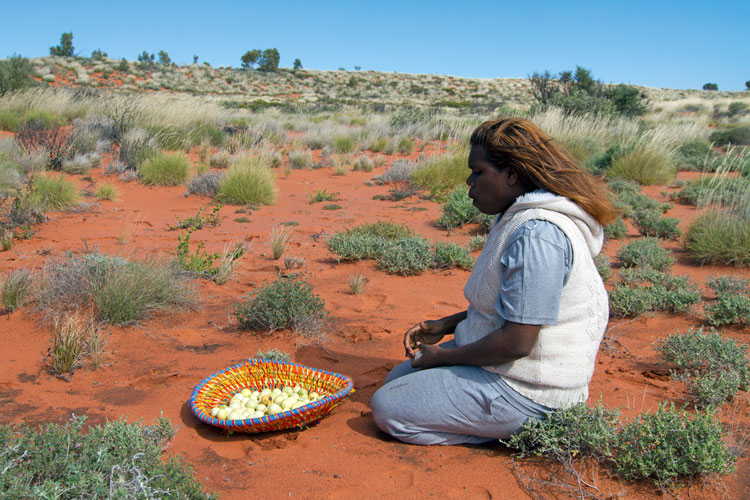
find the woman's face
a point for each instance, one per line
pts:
(492, 190)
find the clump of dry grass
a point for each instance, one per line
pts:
(280, 236)
(357, 283)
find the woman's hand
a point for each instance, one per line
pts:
(425, 332)
(428, 356)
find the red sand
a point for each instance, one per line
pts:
(151, 368)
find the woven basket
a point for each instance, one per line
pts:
(257, 374)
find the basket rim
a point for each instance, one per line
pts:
(251, 422)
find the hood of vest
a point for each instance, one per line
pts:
(592, 231)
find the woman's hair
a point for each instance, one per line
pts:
(540, 163)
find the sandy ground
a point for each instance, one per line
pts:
(152, 367)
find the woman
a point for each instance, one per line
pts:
(537, 311)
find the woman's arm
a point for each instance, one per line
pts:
(512, 341)
(430, 332)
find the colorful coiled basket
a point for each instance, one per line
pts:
(258, 374)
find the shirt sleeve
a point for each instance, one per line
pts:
(536, 266)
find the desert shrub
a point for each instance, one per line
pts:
(136, 146)
(724, 191)
(603, 266)
(458, 209)
(15, 74)
(716, 237)
(53, 141)
(662, 446)
(476, 243)
(227, 262)
(405, 256)
(81, 164)
(205, 184)
(10, 178)
(283, 303)
(405, 146)
(357, 283)
(732, 306)
(363, 164)
(343, 144)
(645, 290)
(120, 291)
(668, 444)
(280, 236)
(9, 120)
(16, 289)
(273, 354)
(714, 367)
(114, 460)
(367, 240)
(300, 159)
(322, 195)
(644, 165)
(651, 223)
(442, 173)
(692, 154)
(600, 162)
(616, 230)
(52, 192)
(107, 192)
(645, 252)
(6, 238)
(248, 182)
(164, 169)
(630, 201)
(68, 344)
(739, 136)
(448, 255)
(399, 171)
(220, 159)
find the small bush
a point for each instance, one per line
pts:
(714, 367)
(442, 173)
(405, 146)
(16, 289)
(603, 267)
(114, 460)
(248, 182)
(651, 223)
(648, 290)
(476, 243)
(205, 184)
(343, 144)
(280, 236)
(68, 339)
(300, 159)
(15, 74)
(274, 355)
(284, 303)
(322, 195)
(616, 230)
(405, 256)
(645, 166)
(165, 169)
(357, 283)
(719, 238)
(221, 159)
(227, 261)
(458, 209)
(692, 154)
(645, 252)
(599, 163)
(52, 192)
(737, 136)
(448, 255)
(107, 192)
(363, 164)
(724, 191)
(732, 306)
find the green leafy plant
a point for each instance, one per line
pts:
(273, 354)
(107, 192)
(651, 223)
(198, 220)
(114, 460)
(165, 169)
(448, 255)
(648, 290)
(644, 165)
(458, 209)
(283, 303)
(732, 306)
(198, 261)
(714, 367)
(603, 267)
(322, 195)
(645, 252)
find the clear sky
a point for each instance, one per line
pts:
(674, 44)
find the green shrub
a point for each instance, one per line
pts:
(648, 290)
(165, 169)
(114, 460)
(44, 118)
(719, 238)
(476, 243)
(273, 354)
(603, 267)
(714, 367)
(9, 120)
(448, 255)
(723, 191)
(405, 146)
(663, 446)
(616, 230)
(248, 182)
(628, 101)
(732, 306)
(442, 173)
(645, 166)
(300, 159)
(120, 291)
(53, 192)
(458, 209)
(692, 154)
(739, 136)
(284, 303)
(668, 444)
(645, 252)
(322, 195)
(599, 163)
(16, 289)
(343, 144)
(15, 74)
(651, 223)
(405, 256)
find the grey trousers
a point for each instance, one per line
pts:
(450, 405)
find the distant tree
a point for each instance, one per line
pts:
(357, 68)
(146, 60)
(585, 82)
(710, 86)
(164, 59)
(542, 86)
(628, 100)
(195, 59)
(65, 48)
(98, 54)
(250, 58)
(15, 73)
(297, 64)
(269, 61)
(566, 82)
(747, 85)
(123, 66)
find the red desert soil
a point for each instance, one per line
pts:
(151, 368)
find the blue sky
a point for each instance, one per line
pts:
(674, 44)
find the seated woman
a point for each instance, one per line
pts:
(537, 311)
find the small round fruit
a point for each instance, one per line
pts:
(246, 392)
(272, 409)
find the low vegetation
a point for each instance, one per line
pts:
(165, 169)
(247, 182)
